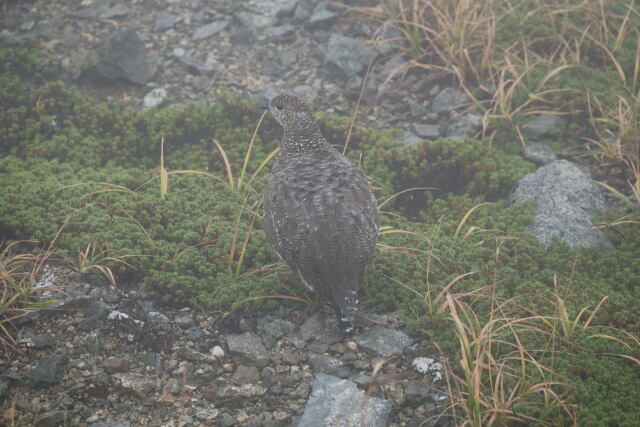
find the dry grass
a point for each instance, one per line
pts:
(19, 270)
(465, 40)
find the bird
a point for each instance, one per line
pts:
(320, 215)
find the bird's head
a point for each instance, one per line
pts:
(293, 114)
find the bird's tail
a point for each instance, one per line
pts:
(346, 311)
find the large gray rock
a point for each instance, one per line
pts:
(448, 99)
(565, 199)
(248, 348)
(123, 55)
(347, 57)
(543, 126)
(50, 371)
(323, 364)
(382, 341)
(339, 403)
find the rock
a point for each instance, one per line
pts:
(464, 127)
(254, 21)
(113, 365)
(158, 318)
(51, 419)
(245, 375)
(248, 348)
(38, 342)
(207, 414)
(448, 99)
(94, 316)
(281, 33)
(154, 98)
(543, 126)
(347, 57)
(322, 20)
(194, 66)
(275, 327)
(311, 328)
(165, 20)
(123, 55)
(338, 402)
(318, 347)
(277, 9)
(382, 341)
(410, 139)
(416, 109)
(416, 393)
(209, 30)
(50, 371)
(4, 388)
(120, 423)
(184, 320)
(217, 352)
(565, 200)
(426, 131)
(90, 12)
(115, 11)
(539, 152)
(428, 365)
(323, 364)
(136, 384)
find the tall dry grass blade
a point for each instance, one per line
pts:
(164, 177)
(466, 217)
(227, 165)
(247, 155)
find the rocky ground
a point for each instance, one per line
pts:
(101, 356)
(115, 357)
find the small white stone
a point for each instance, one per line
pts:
(154, 98)
(352, 346)
(217, 352)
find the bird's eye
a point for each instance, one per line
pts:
(279, 107)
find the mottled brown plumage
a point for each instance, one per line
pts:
(319, 213)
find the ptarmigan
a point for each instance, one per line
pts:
(319, 212)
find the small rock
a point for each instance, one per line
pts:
(51, 419)
(194, 66)
(254, 21)
(184, 320)
(4, 388)
(322, 20)
(113, 365)
(382, 341)
(323, 364)
(281, 33)
(275, 327)
(410, 139)
(154, 98)
(303, 390)
(50, 371)
(539, 152)
(207, 414)
(217, 352)
(426, 131)
(165, 20)
(249, 348)
(115, 11)
(94, 316)
(416, 109)
(416, 393)
(119, 423)
(158, 318)
(306, 93)
(137, 384)
(209, 30)
(311, 328)
(347, 57)
(428, 365)
(318, 347)
(245, 375)
(352, 346)
(543, 126)
(464, 127)
(338, 402)
(448, 99)
(38, 342)
(123, 54)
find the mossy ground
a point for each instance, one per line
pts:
(91, 170)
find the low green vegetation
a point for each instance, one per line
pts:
(455, 257)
